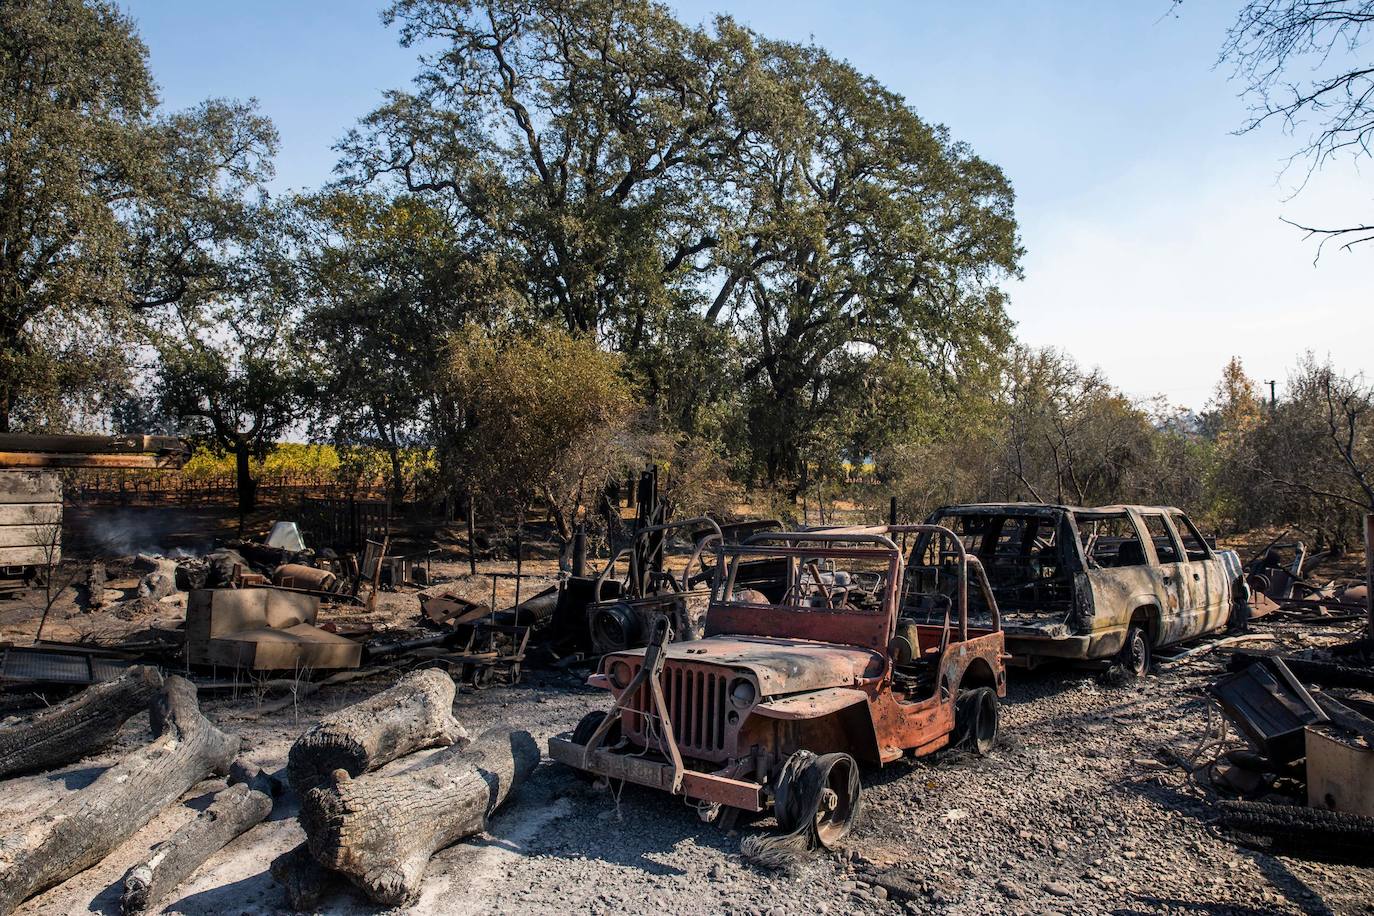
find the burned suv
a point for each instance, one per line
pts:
(800, 676)
(1110, 583)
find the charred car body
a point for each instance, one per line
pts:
(1095, 584)
(799, 678)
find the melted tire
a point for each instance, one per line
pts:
(976, 720)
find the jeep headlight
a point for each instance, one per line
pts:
(743, 693)
(619, 673)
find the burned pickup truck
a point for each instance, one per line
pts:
(1101, 584)
(799, 678)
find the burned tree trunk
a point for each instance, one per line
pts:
(415, 714)
(306, 881)
(80, 830)
(233, 812)
(82, 725)
(380, 831)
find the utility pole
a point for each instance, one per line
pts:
(1273, 399)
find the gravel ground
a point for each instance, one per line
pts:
(1081, 809)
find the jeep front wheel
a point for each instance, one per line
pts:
(819, 796)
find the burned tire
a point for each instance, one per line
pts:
(584, 731)
(1136, 655)
(818, 797)
(976, 720)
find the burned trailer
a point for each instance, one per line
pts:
(792, 691)
(625, 610)
(1111, 583)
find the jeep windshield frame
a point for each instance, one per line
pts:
(793, 611)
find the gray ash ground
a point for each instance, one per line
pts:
(1081, 809)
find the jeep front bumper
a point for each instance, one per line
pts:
(656, 774)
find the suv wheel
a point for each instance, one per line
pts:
(976, 720)
(1136, 654)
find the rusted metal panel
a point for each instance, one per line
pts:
(82, 460)
(1270, 706)
(810, 705)
(780, 665)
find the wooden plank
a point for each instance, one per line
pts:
(30, 487)
(31, 514)
(79, 444)
(30, 535)
(73, 460)
(27, 556)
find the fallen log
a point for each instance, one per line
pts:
(380, 831)
(80, 830)
(305, 881)
(1302, 829)
(239, 807)
(415, 714)
(82, 725)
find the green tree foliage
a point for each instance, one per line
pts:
(857, 235)
(106, 207)
(548, 418)
(230, 365)
(759, 227)
(389, 280)
(574, 131)
(1310, 461)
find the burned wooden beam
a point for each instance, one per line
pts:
(233, 812)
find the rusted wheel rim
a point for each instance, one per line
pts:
(837, 804)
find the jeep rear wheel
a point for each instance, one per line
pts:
(976, 719)
(1136, 654)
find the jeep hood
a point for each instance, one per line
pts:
(781, 666)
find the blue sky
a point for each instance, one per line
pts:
(1154, 246)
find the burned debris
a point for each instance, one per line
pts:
(774, 680)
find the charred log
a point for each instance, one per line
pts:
(82, 725)
(415, 714)
(380, 831)
(233, 812)
(80, 830)
(305, 881)
(1298, 828)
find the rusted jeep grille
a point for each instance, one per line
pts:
(696, 701)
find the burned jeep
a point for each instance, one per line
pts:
(795, 683)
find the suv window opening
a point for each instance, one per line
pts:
(1166, 548)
